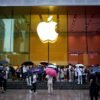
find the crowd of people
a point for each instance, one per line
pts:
(68, 73)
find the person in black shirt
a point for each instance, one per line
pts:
(94, 88)
(2, 81)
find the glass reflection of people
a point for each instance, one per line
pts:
(94, 87)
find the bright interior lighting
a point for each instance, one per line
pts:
(50, 18)
(46, 31)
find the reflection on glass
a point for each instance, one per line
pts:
(2, 31)
(21, 35)
(18, 35)
(22, 44)
(14, 36)
(8, 38)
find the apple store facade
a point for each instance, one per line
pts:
(77, 28)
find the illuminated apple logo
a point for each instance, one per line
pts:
(46, 31)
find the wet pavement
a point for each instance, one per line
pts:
(23, 94)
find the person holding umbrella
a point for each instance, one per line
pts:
(50, 84)
(51, 73)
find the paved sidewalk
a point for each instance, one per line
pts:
(23, 94)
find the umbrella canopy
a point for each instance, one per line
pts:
(44, 63)
(52, 66)
(96, 69)
(1, 68)
(3, 62)
(37, 70)
(51, 72)
(79, 65)
(28, 63)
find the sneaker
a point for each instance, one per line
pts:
(30, 91)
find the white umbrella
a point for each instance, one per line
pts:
(52, 66)
(79, 65)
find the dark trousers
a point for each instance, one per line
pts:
(33, 87)
(94, 93)
(5, 84)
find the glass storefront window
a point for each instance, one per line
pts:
(8, 35)
(14, 35)
(78, 35)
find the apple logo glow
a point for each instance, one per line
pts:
(46, 31)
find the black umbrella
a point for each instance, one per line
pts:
(3, 62)
(44, 63)
(28, 63)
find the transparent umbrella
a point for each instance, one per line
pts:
(79, 65)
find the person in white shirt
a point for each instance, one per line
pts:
(49, 84)
(79, 71)
(24, 72)
(7, 69)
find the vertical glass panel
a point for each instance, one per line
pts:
(14, 34)
(73, 58)
(21, 29)
(94, 42)
(94, 58)
(9, 31)
(38, 50)
(52, 52)
(6, 30)
(77, 43)
(58, 50)
(93, 30)
(18, 58)
(2, 34)
(76, 36)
